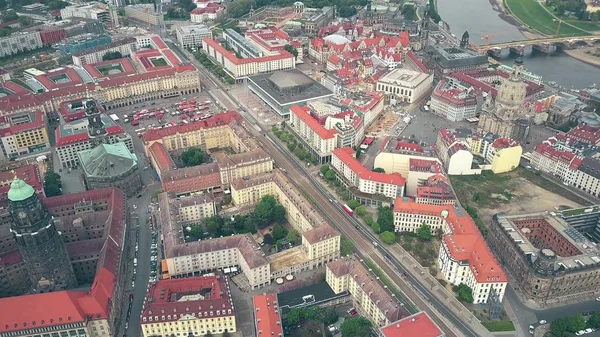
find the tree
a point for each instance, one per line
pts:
(376, 228)
(278, 213)
(213, 225)
(291, 50)
(330, 175)
(346, 11)
(379, 169)
(388, 237)
(385, 219)
(193, 156)
(112, 55)
(353, 204)
(465, 293)
(433, 14)
(329, 316)
(239, 8)
(52, 184)
(409, 11)
(356, 327)
(594, 320)
(361, 210)
(9, 16)
(279, 232)
(226, 199)
(293, 317)
(293, 236)
(196, 231)
(268, 239)
(424, 232)
(291, 146)
(324, 169)
(312, 328)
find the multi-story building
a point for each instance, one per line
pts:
(29, 174)
(73, 137)
(320, 49)
(405, 85)
(93, 227)
(191, 209)
(239, 68)
(464, 256)
(20, 41)
(145, 14)
(94, 55)
(23, 134)
(320, 242)
(549, 261)
(419, 324)
(78, 43)
(350, 171)
(435, 190)
(191, 36)
(273, 40)
(209, 12)
(116, 83)
(500, 153)
(189, 306)
(94, 11)
(266, 316)
(453, 101)
(444, 60)
(409, 216)
(370, 298)
(320, 141)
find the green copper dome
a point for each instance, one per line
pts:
(20, 190)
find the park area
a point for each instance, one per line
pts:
(535, 16)
(519, 191)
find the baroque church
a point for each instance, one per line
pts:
(507, 115)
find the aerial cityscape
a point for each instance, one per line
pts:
(256, 168)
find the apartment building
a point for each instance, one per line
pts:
(369, 297)
(320, 140)
(354, 173)
(189, 306)
(95, 11)
(94, 55)
(405, 85)
(419, 324)
(464, 256)
(23, 134)
(19, 42)
(208, 12)
(273, 40)
(453, 101)
(144, 13)
(191, 209)
(409, 215)
(266, 316)
(239, 68)
(191, 36)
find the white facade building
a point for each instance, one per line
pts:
(321, 140)
(192, 36)
(126, 47)
(453, 101)
(405, 85)
(20, 41)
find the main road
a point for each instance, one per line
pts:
(349, 227)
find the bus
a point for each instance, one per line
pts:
(348, 210)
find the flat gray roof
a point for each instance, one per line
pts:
(271, 84)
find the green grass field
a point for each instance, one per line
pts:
(537, 18)
(585, 25)
(499, 326)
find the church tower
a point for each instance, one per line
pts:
(464, 41)
(41, 245)
(96, 128)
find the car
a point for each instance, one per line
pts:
(589, 330)
(139, 196)
(598, 299)
(543, 321)
(154, 246)
(133, 284)
(580, 332)
(352, 312)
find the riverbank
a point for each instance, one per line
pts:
(507, 16)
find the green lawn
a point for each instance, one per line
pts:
(537, 18)
(585, 25)
(499, 326)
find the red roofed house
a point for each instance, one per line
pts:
(208, 12)
(28, 173)
(23, 134)
(320, 141)
(73, 137)
(267, 319)
(189, 306)
(93, 313)
(586, 134)
(464, 255)
(273, 40)
(390, 185)
(419, 324)
(453, 101)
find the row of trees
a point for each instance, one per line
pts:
(567, 325)
(214, 68)
(577, 7)
(52, 184)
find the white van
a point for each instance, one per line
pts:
(135, 262)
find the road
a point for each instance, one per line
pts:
(350, 227)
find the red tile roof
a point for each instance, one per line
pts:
(419, 324)
(224, 118)
(161, 157)
(303, 114)
(346, 156)
(585, 133)
(49, 84)
(405, 205)
(191, 179)
(38, 122)
(267, 318)
(126, 66)
(417, 62)
(165, 302)
(83, 136)
(402, 145)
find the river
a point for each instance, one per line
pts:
(480, 18)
